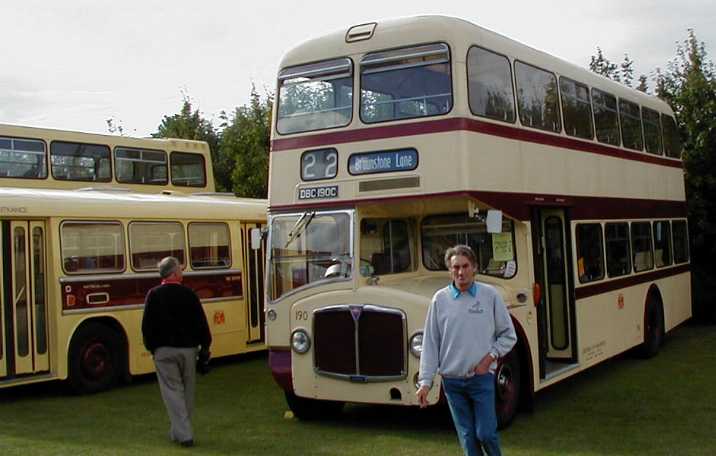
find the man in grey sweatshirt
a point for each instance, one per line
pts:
(467, 329)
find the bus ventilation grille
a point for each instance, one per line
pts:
(389, 184)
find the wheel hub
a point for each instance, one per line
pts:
(96, 360)
(504, 381)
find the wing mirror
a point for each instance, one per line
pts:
(256, 236)
(494, 221)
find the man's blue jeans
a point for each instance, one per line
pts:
(472, 404)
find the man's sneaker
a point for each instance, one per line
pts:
(187, 443)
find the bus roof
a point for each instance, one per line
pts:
(165, 145)
(116, 204)
(460, 35)
(66, 135)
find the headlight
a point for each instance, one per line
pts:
(300, 341)
(271, 315)
(416, 344)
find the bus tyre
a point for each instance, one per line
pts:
(507, 388)
(653, 328)
(312, 409)
(95, 360)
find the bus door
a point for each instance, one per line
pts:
(254, 261)
(556, 312)
(23, 341)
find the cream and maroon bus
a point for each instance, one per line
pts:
(394, 140)
(76, 266)
(46, 158)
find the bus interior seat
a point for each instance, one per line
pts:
(494, 266)
(402, 260)
(381, 263)
(642, 261)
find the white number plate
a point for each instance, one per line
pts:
(325, 192)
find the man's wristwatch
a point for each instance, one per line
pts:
(493, 355)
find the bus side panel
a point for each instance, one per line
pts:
(606, 327)
(676, 296)
(227, 319)
(140, 360)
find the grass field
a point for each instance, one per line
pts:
(662, 406)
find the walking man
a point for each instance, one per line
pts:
(174, 327)
(467, 329)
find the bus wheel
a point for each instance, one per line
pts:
(507, 388)
(94, 358)
(312, 409)
(653, 328)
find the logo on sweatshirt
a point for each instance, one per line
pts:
(476, 308)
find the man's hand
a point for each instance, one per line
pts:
(483, 366)
(422, 395)
(202, 361)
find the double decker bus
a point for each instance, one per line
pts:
(57, 159)
(396, 139)
(77, 265)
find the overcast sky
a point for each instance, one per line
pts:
(72, 64)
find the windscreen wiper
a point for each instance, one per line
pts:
(299, 227)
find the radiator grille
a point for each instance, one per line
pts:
(360, 343)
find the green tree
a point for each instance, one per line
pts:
(643, 84)
(602, 65)
(246, 142)
(627, 71)
(189, 123)
(689, 85)
(624, 72)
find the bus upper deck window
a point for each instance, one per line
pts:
(652, 131)
(630, 121)
(315, 96)
(672, 143)
(606, 117)
(80, 162)
(490, 91)
(406, 83)
(140, 166)
(24, 158)
(537, 97)
(188, 170)
(576, 108)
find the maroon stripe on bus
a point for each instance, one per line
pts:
(129, 290)
(465, 124)
(518, 205)
(280, 364)
(584, 207)
(618, 284)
